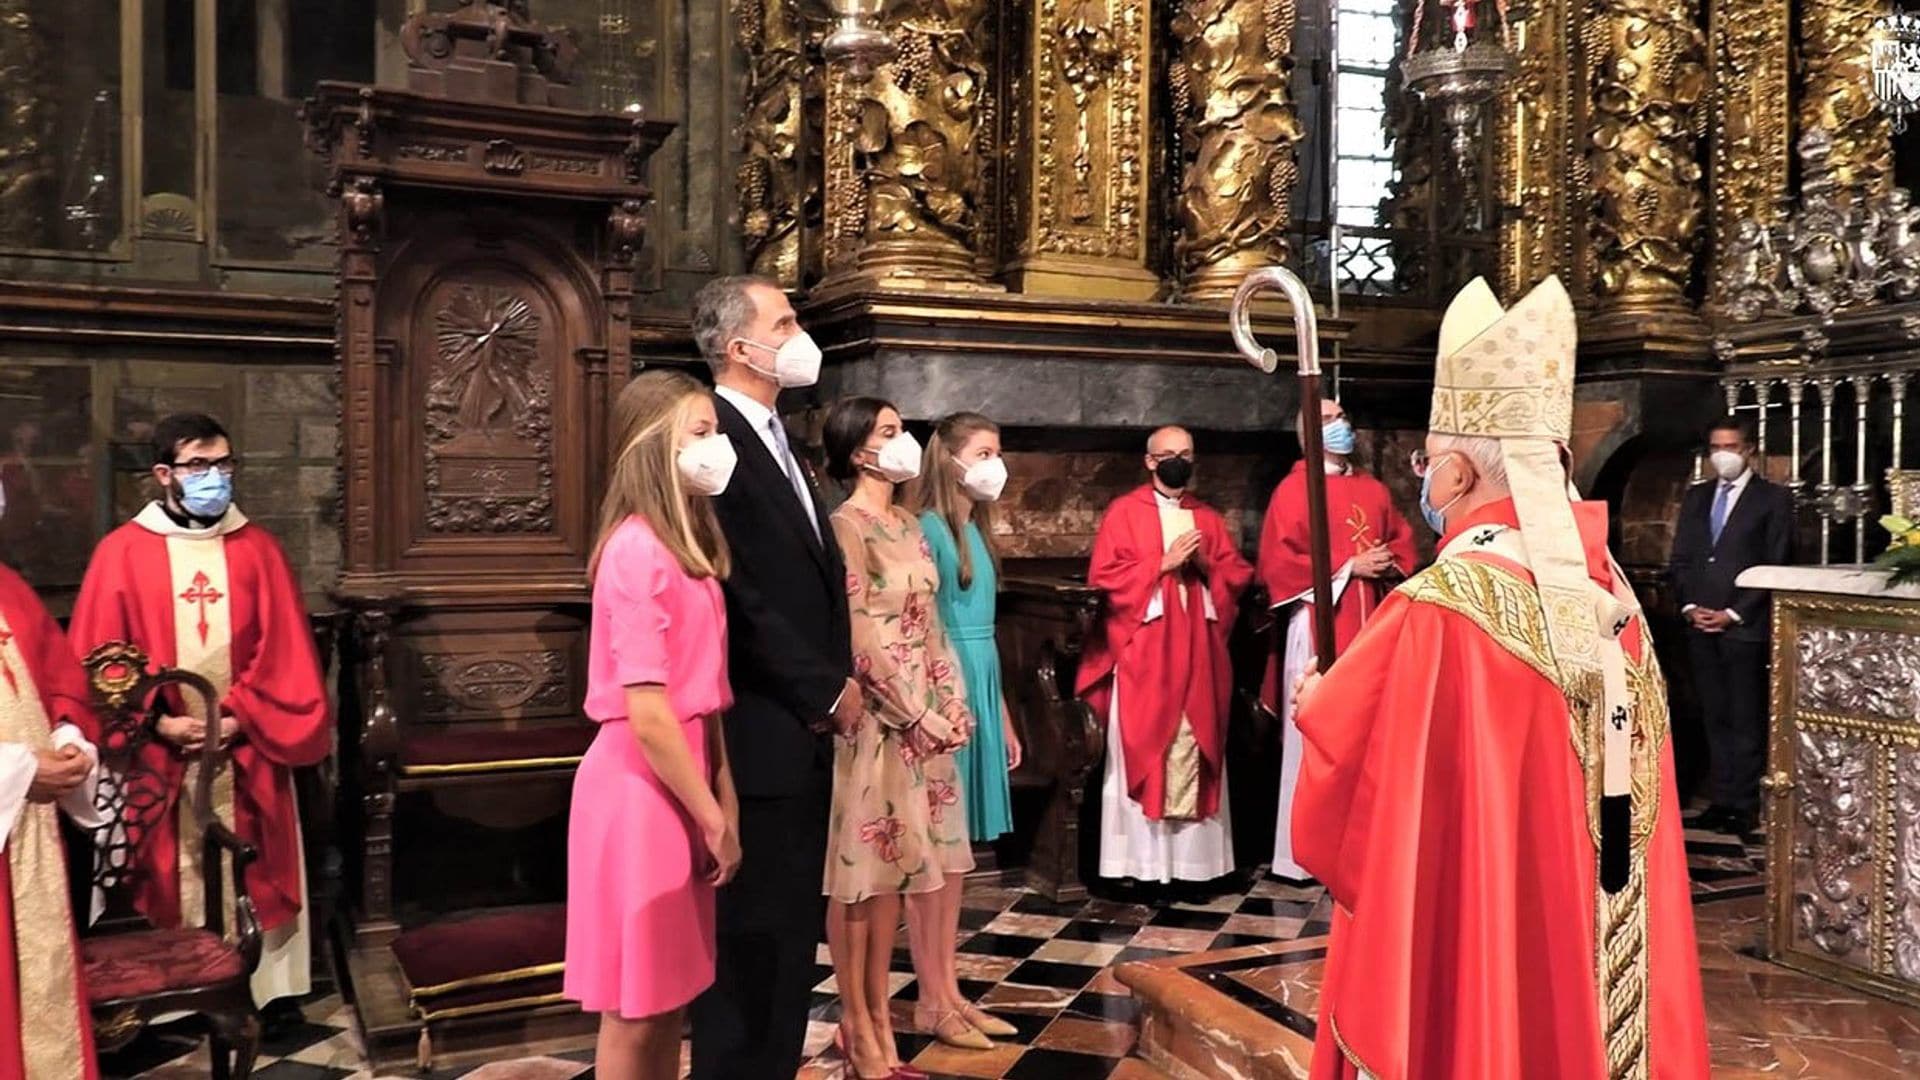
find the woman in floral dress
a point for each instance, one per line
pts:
(898, 826)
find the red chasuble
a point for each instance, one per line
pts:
(1442, 804)
(1168, 659)
(1362, 516)
(45, 1033)
(171, 594)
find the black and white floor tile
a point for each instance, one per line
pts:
(1046, 968)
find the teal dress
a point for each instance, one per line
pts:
(967, 616)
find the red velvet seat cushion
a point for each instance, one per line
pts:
(497, 941)
(147, 962)
(497, 745)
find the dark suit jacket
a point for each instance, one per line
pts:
(789, 650)
(1758, 532)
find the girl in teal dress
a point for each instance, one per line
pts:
(960, 478)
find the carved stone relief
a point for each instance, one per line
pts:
(489, 415)
(1859, 671)
(1833, 844)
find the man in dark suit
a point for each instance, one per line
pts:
(1734, 521)
(789, 657)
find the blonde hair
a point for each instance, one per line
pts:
(938, 489)
(644, 478)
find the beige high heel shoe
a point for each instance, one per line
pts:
(986, 1023)
(943, 1028)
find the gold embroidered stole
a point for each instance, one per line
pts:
(42, 922)
(1180, 800)
(1507, 608)
(203, 644)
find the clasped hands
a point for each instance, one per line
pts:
(190, 734)
(1373, 563)
(1708, 621)
(58, 772)
(1184, 549)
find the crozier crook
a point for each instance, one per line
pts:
(1306, 330)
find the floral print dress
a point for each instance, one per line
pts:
(898, 822)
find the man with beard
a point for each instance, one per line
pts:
(196, 586)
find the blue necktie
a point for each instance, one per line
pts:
(1718, 520)
(792, 468)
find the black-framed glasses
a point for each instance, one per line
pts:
(226, 466)
(1163, 455)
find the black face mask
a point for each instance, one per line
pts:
(1174, 472)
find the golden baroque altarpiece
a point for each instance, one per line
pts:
(1125, 149)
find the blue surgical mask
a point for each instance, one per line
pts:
(1436, 519)
(1336, 437)
(207, 495)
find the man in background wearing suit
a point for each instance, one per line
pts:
(789, 658)
(1734, 521)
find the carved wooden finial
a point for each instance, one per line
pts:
(490, 50)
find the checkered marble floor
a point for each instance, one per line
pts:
(1045, 968)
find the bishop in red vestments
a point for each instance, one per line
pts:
(1488, 793)
(45, 761)
(196, 586)
(1158, 669)
(1371, 545)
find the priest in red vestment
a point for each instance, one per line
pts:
(1371, 546)
(196, 586)
(1158, 670)
(45, 762)
(1488, 793)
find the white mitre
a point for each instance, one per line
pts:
(1507, 374)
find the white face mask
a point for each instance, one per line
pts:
(1728, 464)
(899, 458)
(984, 479)
(796, 362)
(706, 465)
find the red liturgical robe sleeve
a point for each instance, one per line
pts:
(277, 695)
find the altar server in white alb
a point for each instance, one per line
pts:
(196, 586)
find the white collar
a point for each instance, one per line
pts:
(1340, 468)
(1167, 500)
(1738, 482)
(752, 411)
(155, 519)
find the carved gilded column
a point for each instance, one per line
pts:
(26, 173)
(1836, 91)
(903, 178)
(1647, 64)
(775, 188)
(1751, 143)
(1234, 111)
(1081, 116)
(1540, 173)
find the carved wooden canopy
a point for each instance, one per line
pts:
(485, 282)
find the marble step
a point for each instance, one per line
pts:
(1244, 1013)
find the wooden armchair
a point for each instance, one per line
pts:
(135, 975)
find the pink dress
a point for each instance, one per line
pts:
(639, 915)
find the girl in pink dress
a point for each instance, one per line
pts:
(654, 815)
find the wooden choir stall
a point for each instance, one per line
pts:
(488, 230)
